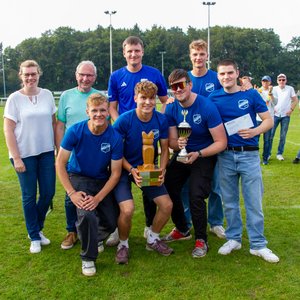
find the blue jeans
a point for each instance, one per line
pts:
(284, 126)
(243, 166)
(215, 206)
(40, 172)
(71, 214)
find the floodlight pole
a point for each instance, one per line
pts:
(208, 31)
(162, 61)
(110, 13)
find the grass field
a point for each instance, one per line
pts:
(56, 273)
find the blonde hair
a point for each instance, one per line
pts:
(30, 63)
(146, 88)
(96, 99)
(198, 44)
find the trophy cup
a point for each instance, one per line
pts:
(184, 130)
(148, 170)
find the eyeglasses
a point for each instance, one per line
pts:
(174, 87)
(85, 75)
(27, 75)
(281, 79)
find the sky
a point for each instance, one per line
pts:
(20, 20)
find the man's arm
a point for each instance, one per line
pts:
(163, 100)
(113, 110)
(173, 138)
(294, 102)
(59, 133)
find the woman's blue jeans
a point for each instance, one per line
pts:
(39, 175)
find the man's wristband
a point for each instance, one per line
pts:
(200, 154)
(131, 168)
(71, 193)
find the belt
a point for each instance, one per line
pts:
(243, 148)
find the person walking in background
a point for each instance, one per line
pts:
(207, 138)
(286, 103)
(72, 109)
(93, 170)
(121, 96)
(29, 122)
(266, 91)
(240, 161)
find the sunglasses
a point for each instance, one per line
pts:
(174, 87)
(281, 79)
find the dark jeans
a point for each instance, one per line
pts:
(200, 175)
(284, 127)
(149, 210)
(88, 221)
(40, 172)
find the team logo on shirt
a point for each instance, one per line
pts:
(105, 147)
(144, 79)
(209, 87)
(197, 119)
(243, 104)
(156, 133)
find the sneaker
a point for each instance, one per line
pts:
(113, 239)
(122, 255)
(100, 247)
(265, 162)
(219, 231)
(296, 160)
(35, 247)
(44, 240)
(69, 241)
(176, 235)
(146, 229)
(280, 157)
(265, 254)
(200, 249)
(160, 247)
(269, 157)
(229, 246)
(88, 268)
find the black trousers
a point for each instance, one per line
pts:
(200, 174)
(93, 226)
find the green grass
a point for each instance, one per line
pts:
(56, 274)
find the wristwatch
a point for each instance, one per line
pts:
(200, 154)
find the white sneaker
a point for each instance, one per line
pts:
(265, 254)
(113, 239)
(35, 247)
(88, 268)
(100, 247)
(146, 229)
(229, 246)
(219, 231)
(44, 240)
(280, 157)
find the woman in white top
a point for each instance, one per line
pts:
(29, 120)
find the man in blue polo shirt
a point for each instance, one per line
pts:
(92, 172)
(241, 161)
(131, 125)
(206, 140)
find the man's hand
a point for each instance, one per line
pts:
(90, 203)
(78, 199)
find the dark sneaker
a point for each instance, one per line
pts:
(122, 255)
(176, 235)
(69, 241)
(200, 249)
(296, 160)
(160, 247)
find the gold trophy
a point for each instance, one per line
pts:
(148, 170)
(184, 130)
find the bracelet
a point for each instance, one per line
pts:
(71, 193)
(131, 169)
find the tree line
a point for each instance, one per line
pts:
(258, 52)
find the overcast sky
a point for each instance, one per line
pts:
(22, 19)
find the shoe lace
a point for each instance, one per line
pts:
(199, 244)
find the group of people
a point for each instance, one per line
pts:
(97, 161)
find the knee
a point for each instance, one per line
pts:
(126, 211)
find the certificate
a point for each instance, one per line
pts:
(243, 122)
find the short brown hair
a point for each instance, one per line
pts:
(178, 74)
(96, 99)
(228, 62)
(198, 44)
(133, 40)
(146, 88)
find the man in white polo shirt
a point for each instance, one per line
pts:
(287, 101)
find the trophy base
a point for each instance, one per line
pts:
(182, 158)
(150, 177)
